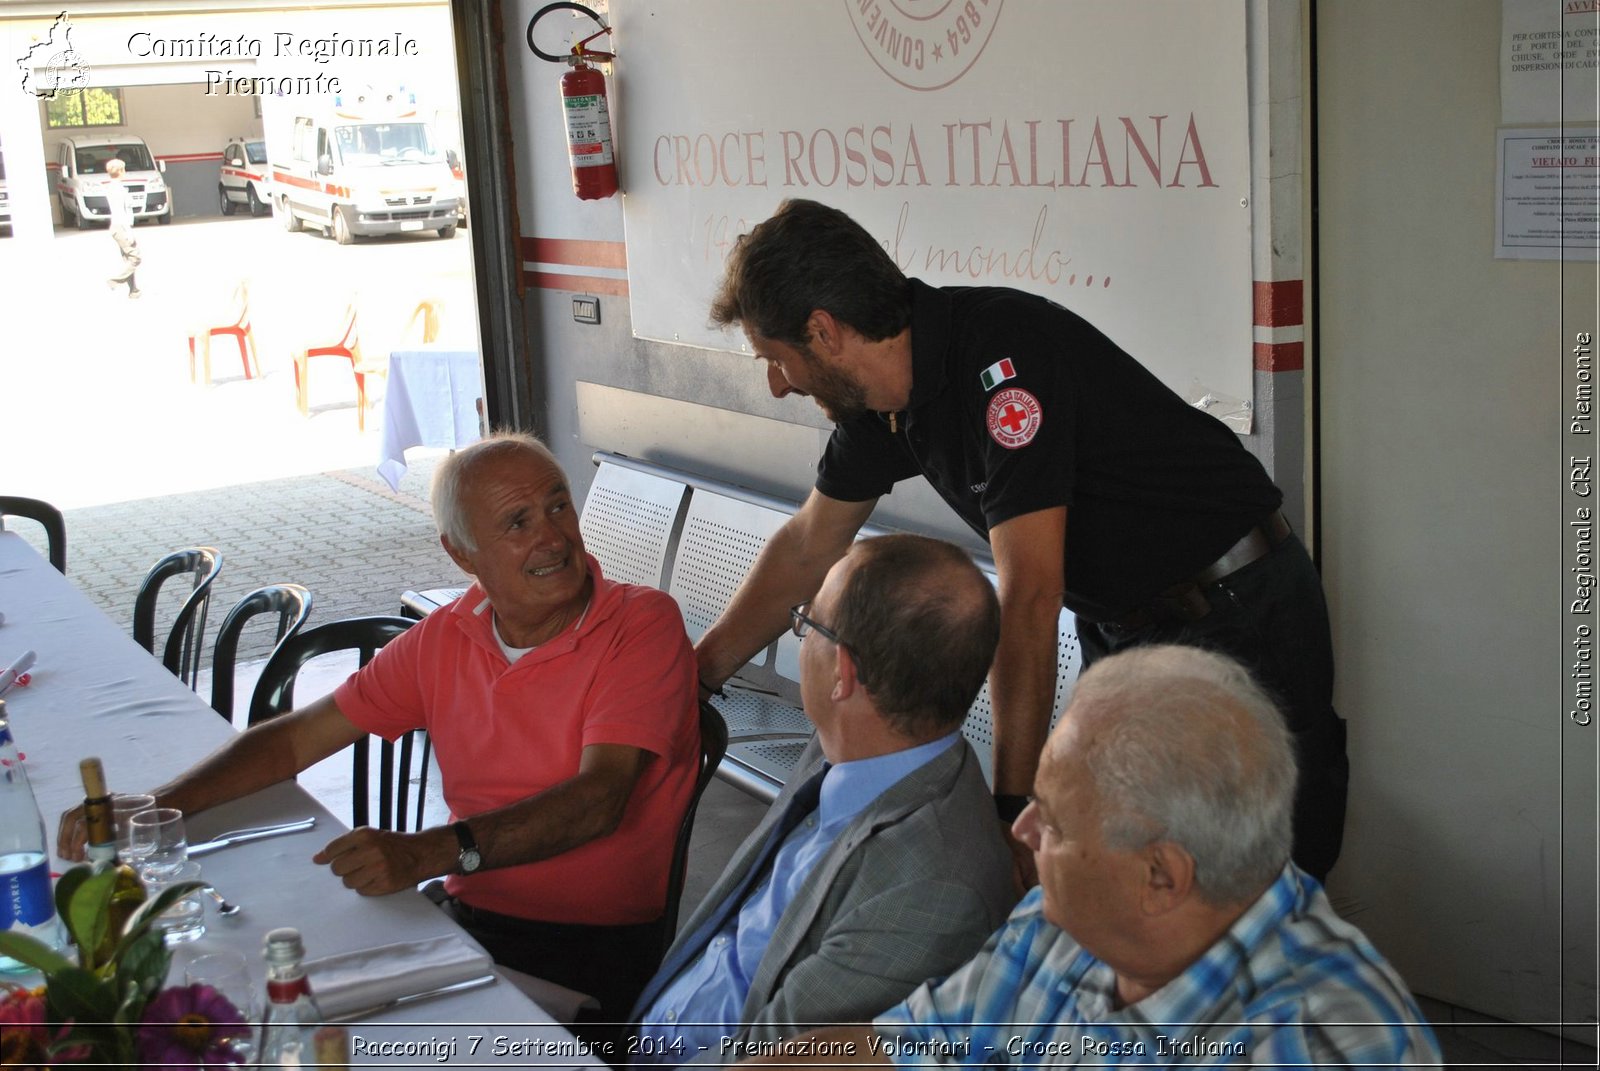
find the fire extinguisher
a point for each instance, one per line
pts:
(584, 108)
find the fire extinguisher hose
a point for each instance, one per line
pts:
(578, 50)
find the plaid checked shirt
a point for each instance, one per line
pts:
(1290, 984)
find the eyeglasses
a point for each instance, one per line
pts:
(800, 624)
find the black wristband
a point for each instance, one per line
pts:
(1009, 807)
(718, 692)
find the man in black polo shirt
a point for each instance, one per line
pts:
(1096, 486)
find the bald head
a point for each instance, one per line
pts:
(457, 472)
(1182, 745)
(923, 624)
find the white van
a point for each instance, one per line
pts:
(363, 164)
(81, 179)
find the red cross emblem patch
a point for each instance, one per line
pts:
(1014, 418)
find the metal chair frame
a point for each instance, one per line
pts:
(292, 604)
(713, 745)
(274, 695)
(55, 525)
(185, 643)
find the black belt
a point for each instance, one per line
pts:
(1186, 601)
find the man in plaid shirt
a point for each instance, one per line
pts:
(1170, 926)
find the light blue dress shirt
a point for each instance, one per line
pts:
(703, 1004)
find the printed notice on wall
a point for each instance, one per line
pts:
(1548, 186)
(1549, 61)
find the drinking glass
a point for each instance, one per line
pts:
(184, 920)
(228, 972)
(124, 805)
(159, 841)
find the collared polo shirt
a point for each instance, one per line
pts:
(504, 732)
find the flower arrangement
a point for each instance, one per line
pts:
(109, 1007)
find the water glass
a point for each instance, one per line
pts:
(184, 920)
(228, 972)
(124, 805)
(158, 841)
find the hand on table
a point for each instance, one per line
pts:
(375, 862)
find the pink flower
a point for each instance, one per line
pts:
(24, 1039)
(189, 1027)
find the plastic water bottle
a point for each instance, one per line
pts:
(27, 902)
(293, 1034)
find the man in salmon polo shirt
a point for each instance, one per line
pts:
(562, 710)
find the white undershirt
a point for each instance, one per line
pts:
(514, 653)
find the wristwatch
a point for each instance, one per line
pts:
(470, 859)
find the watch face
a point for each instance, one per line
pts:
(470, 860)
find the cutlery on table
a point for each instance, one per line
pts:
(241, 836)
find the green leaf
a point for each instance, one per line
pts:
(141, 920)
(75, 993)
(143, 963)
(67, 887)
(33, 952)
(88, 913)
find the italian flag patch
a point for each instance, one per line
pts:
(998, 373)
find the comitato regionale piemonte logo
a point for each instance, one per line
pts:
(924, 44)
(51, 65)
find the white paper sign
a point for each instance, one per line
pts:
(1549, 61)
(1548, 182)
(1095, 152)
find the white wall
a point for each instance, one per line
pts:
(1442, 481)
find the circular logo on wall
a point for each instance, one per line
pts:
(1014, 418)
(924, 44)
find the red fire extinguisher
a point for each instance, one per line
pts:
(584, 108)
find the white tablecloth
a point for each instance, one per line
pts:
(95, 692)
(431, 400)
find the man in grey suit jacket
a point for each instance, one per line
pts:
(880, 866)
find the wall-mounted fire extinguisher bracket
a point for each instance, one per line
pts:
(584, 108)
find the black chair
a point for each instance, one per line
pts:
(292, 604)
(274, 695)
(55, 525)
(186, 641)
(713, 745)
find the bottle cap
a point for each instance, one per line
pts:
(283, 946)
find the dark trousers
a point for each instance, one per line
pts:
(610, 963)
(1272, 617)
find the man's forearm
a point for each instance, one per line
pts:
(789, 570)
(255, 759)
(1022, 688)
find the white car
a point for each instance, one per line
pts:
(243, 178)
(81, 180)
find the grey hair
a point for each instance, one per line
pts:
(454, 473)
(1188, 748)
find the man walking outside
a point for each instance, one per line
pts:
(122, 228)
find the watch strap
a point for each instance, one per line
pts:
(464, 836)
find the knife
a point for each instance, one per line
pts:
(399, 1002)
(240, 836)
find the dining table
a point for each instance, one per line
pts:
(93, 691)
(434, 397)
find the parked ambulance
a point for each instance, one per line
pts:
(363, 163)
(82, 182)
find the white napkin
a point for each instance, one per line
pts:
(351, 981)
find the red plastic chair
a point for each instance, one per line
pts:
(348, 347)
(239, 328)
